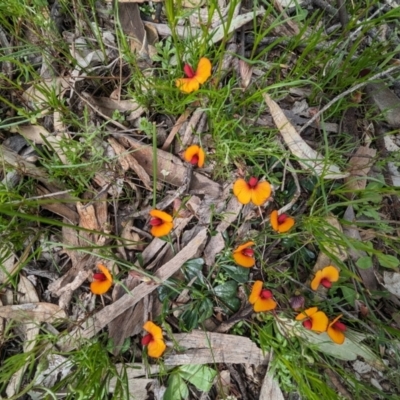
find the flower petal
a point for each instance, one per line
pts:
(244, 261)
(187, 85)
(161, 214)
(331, 273)
(336, 335)
(105, 271)
(202, 156)
(319, 321)
(306, 313)
(242, 191)
(190, 152)
(246, 245)
(153, 329)
(261, 193)
(317, 280)
(100, 287)
(156, 348)
(203, 71)
(162, 230)
(255, 292)
(335, 320)
(274, 220)
(287, 225)
(264, 305)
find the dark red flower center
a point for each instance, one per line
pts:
(99, 276)
(266, 294)
(282, 218)
(252, 182)
(194, 160)
(147, 339)
(326, 283)
(189, 71)
(307, 324)
(248, 252)
(156, 222)
(340, 326)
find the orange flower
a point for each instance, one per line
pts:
(257, 192)
(335, 330)
(244, 256)
(195, 155)
(102, 280)
(325, 277)
(261, 298)
(161, 223)
(313, 319)
(153, 340)
(194, 79)
(281, 223)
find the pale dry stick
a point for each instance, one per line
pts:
(175, 129)
(41, 197)
(344, 94)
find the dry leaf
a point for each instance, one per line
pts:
(8, 264)
(308, 158)
(37, 312)
(359, 166)
(270, 389)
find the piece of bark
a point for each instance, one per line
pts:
(37, 312)
(209, 347)
(92, 325)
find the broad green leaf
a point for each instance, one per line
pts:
(364, 262)
(200, 376)
(387, 261)
(177, 388)
(238, 274)
(227, 290)
(349, 294)
(189, 320)
(193, 268)
(204, 309)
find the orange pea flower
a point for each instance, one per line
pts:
(244, 255)
(154, 340)
(313, 319)
(261, 298)
(195, 155)
(161, 223)
(281, 223)
(102, 281)
(325, 277)
(194, 79)
(335, 330)
(254, 191)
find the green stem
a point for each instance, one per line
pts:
(155, 165)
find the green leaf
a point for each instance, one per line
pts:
(200, 376)
(349, 294)
(364, 262)
(226, 291)
(387, 261)
(238, 274)
(189, 320)
(193, 268)
(177, 388)
(204, 309)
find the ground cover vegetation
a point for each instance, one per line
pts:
(199, 199)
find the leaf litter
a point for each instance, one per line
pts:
(208, 221)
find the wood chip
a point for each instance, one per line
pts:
(209, 348)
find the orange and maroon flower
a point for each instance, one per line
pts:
(335, 330)
(194, 79)
(244, 255)
(195, 155)
(313, 319)
(325, 277)
(161, 223)
(281, 223)
(102, 281)
(154, 340)
(253, 190)
(261, 298)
